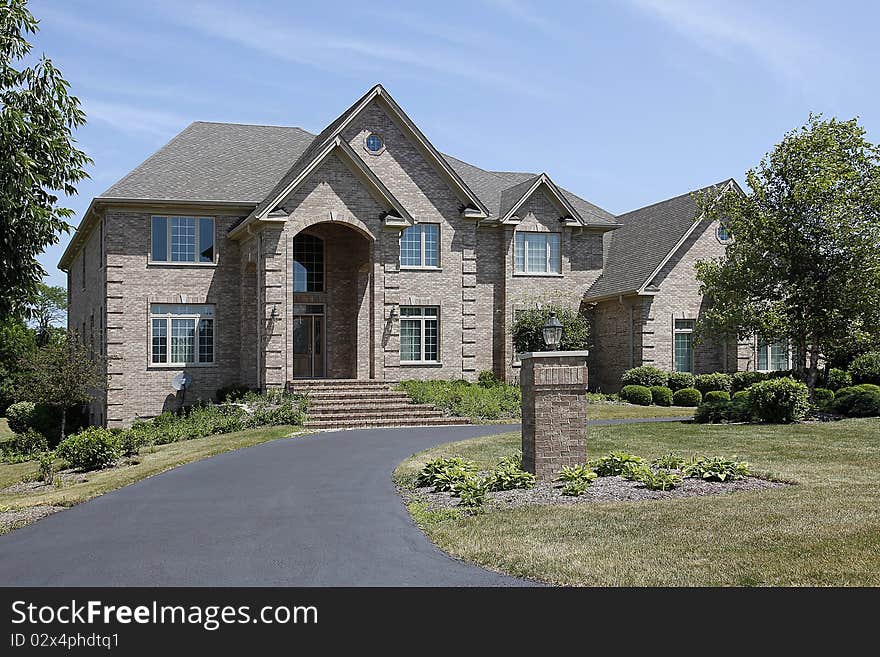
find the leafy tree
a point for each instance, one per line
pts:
(528, 329)
(38, 157)
(16, 341)
(804, 262)
(63, 374)
(48, 308)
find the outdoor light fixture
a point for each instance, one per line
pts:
(552, 332)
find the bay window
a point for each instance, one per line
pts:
(419, 334)
(181, 334)
(537, 253)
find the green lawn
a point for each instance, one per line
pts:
(5, 432)
(151, 461)
(602, 411)
(825, 530)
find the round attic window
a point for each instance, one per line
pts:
(375, 144)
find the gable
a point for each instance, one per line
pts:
(513, 199)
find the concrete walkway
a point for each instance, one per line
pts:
(317, 510)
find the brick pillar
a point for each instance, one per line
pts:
(554, 411)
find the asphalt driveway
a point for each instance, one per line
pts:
(318, 510)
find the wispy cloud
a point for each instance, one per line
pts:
(727, 31)
(134, 120)
(536, 18)
(333, 50)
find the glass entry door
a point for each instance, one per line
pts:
(308, 341)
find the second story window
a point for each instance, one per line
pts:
(537, 253)
(308, 264)
(420, 246)
(182, 239)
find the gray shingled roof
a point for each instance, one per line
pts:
(226, 162)
(645, 239)
(231, 162)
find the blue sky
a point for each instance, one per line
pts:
(625, 103)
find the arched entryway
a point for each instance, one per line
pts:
(331, 317)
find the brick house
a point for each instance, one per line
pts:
(260, 255)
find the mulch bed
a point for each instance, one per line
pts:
(603, 489)
(10, 520)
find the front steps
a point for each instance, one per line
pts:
(360, 404)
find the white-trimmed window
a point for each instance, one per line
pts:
(773, 356)
(182, 239)
(683, 332)
(722, 233)
(182, 334)
(419, 334)
(420, 246)
(537, 253)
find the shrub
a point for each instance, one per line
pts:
(487, 379)
(823, 396)
(715, 469)
(719, 381)
(636, 395)
(231, 392)
(687, 397)
(46, 467)
(669, 462)
(645, 375)
(29, 443)
(20, 416)
(716, 396)
(464, 399)
(779, 401)
(740, 409)
(680, 380)
(661, 395)
(528, 329)
(856, 401)
(742, 396)
(634, 471)
(865, 404)
(739, 381)
(472, 491)
(713, 412)
(130, 442)
(866, 368)
(613, 463)
(91, 449)
(838, 379)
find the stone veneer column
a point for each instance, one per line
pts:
(554, 411)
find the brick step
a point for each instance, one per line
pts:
(360, 394)
(374, 415)
(368, 405)
(402, 422)
(336, 384)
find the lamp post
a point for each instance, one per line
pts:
(552, 332)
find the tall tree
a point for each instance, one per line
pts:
(38, 157)
(804, 260)
(62, 374)
(48, 308)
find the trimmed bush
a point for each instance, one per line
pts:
(838, 379)
(846, 399)
(661, 395)
(741, 397)
(636, 395)
(713, 412)
(822, 396)
(680, 380)
(710, 382)
(91, 449)
(779, 401)
(716, 396)
(687, 397)
(645, 375)
(865, 404)
(20, 416)
(742, 380)
(866, 368)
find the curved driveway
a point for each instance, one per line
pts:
(317, 510)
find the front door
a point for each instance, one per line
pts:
(308, 341)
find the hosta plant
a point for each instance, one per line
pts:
(443, 468)
(576, 487)
(472, 491)
(659, 479)
(669, 462)
(635, 471)
(576, 473)
(509, 475)
(612, 464)
(716, 468)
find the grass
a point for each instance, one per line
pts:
(5, 431)
(151, 461)
(604, 411)
(825, 530)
